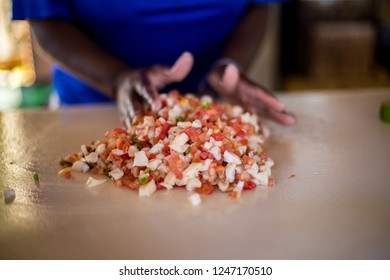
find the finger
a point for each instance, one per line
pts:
(143, 92)
(176, 73)
(151, 96)
(126, 110)
(180, 68)
(123, 103)
(259, 95)
(134, 105)
(281, 117)
(230, 79)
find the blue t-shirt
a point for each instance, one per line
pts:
(141, 33)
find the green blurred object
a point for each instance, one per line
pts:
(385, 112)
(37, 95)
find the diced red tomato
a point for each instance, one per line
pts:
(241, 134)
(247, 160)
(176, 165)
(166, 151)
(247, 128)
(203, 137)
(116, 132)
(158, 184)
(175, 93)
(205, 189)
(264, 157)
(244, 142)
(164, 131)
(249, 185)
(68, 175)
(227, 147)
(234, 195)
(205, 155)
(218, 136)
(132, 184)
(116, 158)
(192, 134)
(193, 149)
(123, 144)
(236, 127)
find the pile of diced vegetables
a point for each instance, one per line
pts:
(193, 143)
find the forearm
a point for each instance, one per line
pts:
(247, 36)
(75, 52)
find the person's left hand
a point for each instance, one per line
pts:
(234, 87)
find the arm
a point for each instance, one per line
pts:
(75, 52)
(133, 88)
(228, 78)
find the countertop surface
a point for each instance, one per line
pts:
(331, 199)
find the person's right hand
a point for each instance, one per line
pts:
(138, 90)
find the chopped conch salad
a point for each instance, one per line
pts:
(197, 144)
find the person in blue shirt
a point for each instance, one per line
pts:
(131, 50)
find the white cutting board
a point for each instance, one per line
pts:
(331, 200)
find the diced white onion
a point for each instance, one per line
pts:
(206, 98)
(230, 170)
(62, 171)
(231, 158)
(206, 164)
(80, 166)
(132, 150)
(184, 125)
(180, 140)
(140, 159)
(174, 113)
(148, 189)
(92, 157)
(180, 149)
(118, 152)
(153, 164)
(196, 124)
(163, 168)
(207, 145)
(237, 111)
(254, 141)
(193, 183)
(92, 182)
(262, 178)
(195, 199)
(167, 186)
(192, 170)
(116, 174)
(242, 149)
(170, 178)
(84, 149)
(239, 186)
(157, 148)
(269, 162)
(179, 143)
(223, 185)
(148, 121)
(216, 152)
(101, 149)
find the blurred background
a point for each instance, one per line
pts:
(309, 45)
